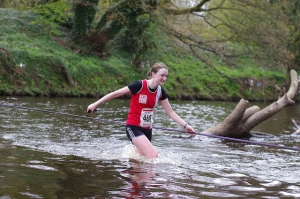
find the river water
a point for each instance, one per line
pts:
(45, 155)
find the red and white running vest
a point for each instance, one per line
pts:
(142, 105)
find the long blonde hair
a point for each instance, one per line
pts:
(155, 68)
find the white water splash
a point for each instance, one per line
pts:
(129, 152)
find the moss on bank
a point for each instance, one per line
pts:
(34, 64)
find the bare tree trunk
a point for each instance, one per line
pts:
(119, 15)
(243, 119)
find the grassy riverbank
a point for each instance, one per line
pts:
(34, 63)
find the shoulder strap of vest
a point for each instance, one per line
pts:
(158, 94)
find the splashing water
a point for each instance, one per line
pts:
(163, 158)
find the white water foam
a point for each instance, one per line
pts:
(163, 158)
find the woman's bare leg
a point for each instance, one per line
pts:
(144, 147)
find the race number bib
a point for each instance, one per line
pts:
(146, 118)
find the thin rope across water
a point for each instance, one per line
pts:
(161, 128)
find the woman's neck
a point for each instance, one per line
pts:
(152, 84)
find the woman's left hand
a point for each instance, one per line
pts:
(190, 130)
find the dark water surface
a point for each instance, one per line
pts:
(47, 155)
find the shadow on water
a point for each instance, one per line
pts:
(88, 179)
(31, 174)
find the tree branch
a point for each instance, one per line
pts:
(197, 8)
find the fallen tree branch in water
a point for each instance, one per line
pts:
(243, 119)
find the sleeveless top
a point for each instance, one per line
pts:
(142, 105)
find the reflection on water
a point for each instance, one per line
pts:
(139, 178)
(47, 155)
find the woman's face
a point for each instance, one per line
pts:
(161, 76)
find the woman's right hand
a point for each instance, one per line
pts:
(91, 108)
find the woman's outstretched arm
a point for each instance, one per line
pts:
(167, 107)
(123, 91)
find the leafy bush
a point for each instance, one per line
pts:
(51, 14)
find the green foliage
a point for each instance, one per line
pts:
(51, 15)
(138, 37)
(15, 22)
(84, 14)
(51, 69)
(293, 12)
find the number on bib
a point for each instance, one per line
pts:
(146, 118)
